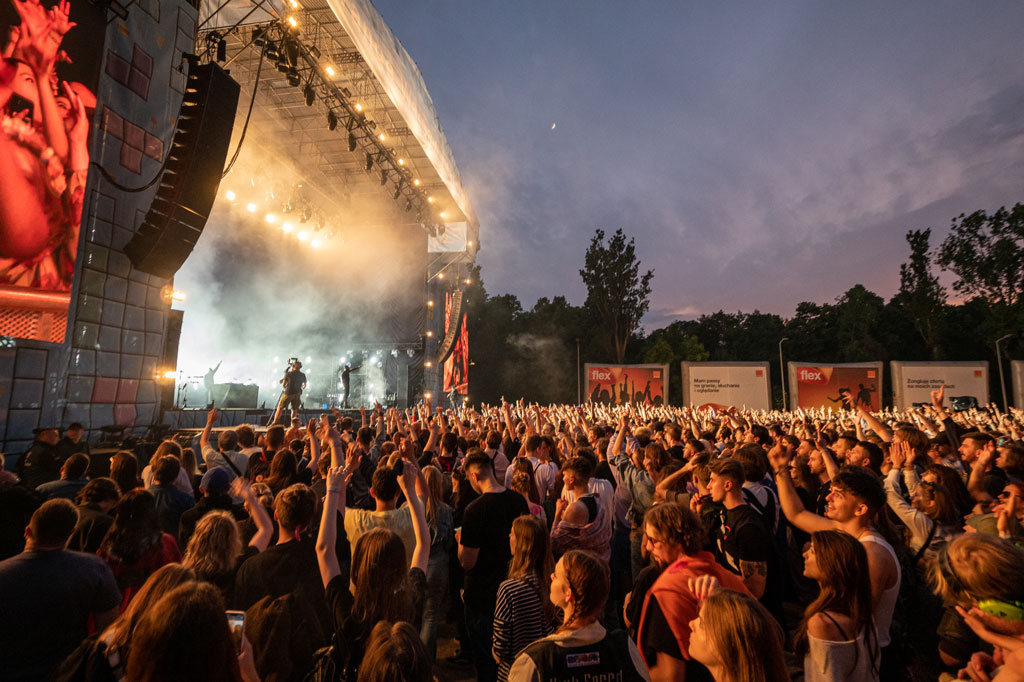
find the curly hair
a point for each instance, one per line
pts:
(214, 547)
(677, 525)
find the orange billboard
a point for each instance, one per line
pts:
(823, 385)
(621, 384)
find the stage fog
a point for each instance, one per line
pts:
(286, 268)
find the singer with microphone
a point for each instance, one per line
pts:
(293, 383)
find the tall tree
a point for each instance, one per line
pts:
(616, 291)
(986, 252)
(921, 298)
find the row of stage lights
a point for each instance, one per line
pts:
(314, 235)
(285, 49)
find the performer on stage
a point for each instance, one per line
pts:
(208, 383)
(294, 382)
(346, 383)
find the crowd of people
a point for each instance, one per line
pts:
(588, 542)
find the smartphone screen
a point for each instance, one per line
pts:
(236, 621)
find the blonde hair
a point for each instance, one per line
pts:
(214, 547)
(746, 636)
(435, 494)
(978, 566)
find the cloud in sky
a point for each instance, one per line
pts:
(761, 154)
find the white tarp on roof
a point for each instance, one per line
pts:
(214, 14)
(403, 83)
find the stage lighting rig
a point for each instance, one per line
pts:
(332, 120)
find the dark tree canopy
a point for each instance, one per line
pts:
(616, 292)
(986, 253)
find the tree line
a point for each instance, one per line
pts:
(534, 352)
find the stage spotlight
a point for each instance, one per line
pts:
(440, 275)
(294, 4)
(383, 177)
(430, 303)
(251, 207)
(222, 50)
(309, 94)
(428, 364)
(315, 51)
(427, 395)
(381, 136)
(303, 236)
(401, 161)
(259, 39)
(307, 213)
(416, 182)
(169, 374)
(430, 199)
(273, 51)
(332, 120)
(293, 22)
(469, 243)
(369, 162)
(330, 70)
(398, 192)
(358, 107)
(408, 205)
(315, 243)
(287, 228)
(169, 294)
(430, 334)
(294, 79)
(351, 141)
(271, 218)
(443, 215)
(468, 280)
(229, 195)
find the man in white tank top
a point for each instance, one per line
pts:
(857, 495)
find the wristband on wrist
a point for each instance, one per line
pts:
(334, 490)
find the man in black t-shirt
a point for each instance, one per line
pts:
(292, 383)
(484, 554)
(743, 541)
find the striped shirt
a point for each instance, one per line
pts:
(518, 620)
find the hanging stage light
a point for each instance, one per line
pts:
(332, 120)
(369, 162)
(383, 177)
(259, 39)
(408, 205)
(351, 141)
(310, 95)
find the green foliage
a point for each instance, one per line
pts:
(616, 292)
(986, 252)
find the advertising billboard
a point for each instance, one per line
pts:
(47, 104)
(724, 384)
(621, 384)
(913, 382)
(822, 385)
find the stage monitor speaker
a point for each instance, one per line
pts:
(192, 175)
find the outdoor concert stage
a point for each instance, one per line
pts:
(268, 179)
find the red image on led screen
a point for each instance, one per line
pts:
(456, 367)
(47, 79)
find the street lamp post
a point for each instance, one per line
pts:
(782, 374)
(999, 361)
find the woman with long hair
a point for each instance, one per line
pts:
(185, 636)
(931, 517)
(135, 547)
(522, 482)
(384, 584)
(124, 469)
(102, 657)
(442, 535)
(215, 550)
(523, 613)
(579, 588)
(737, 639)
(284, 471)
(837, 635)
(395, 654)
(168, 447)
